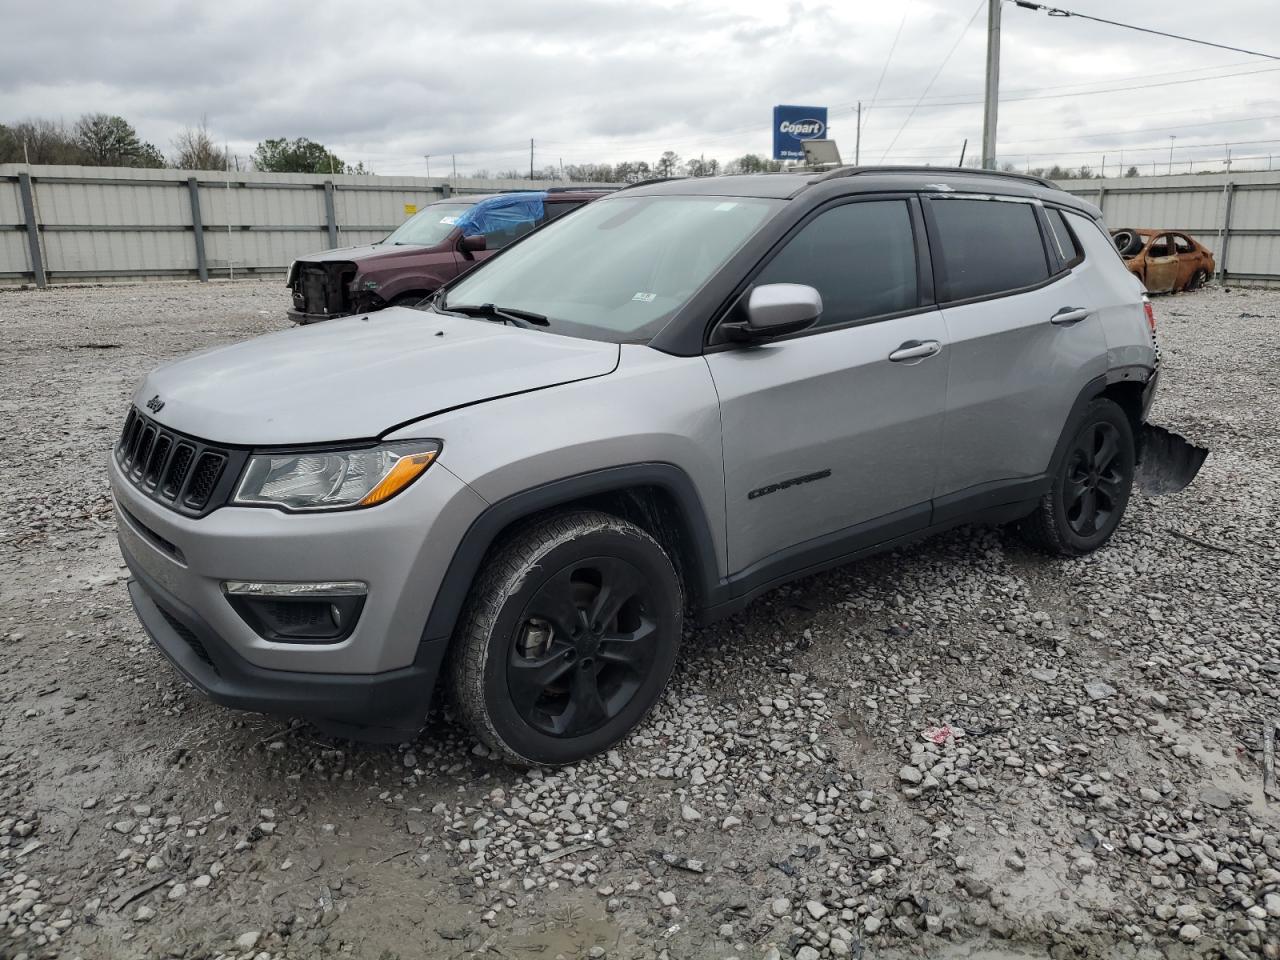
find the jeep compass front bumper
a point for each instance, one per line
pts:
(383, 706)
(375, 673)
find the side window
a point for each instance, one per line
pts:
(1160, 247)
(1181, 244)
(506, 233)
(1068, 246)
(986, 246)
(860, 256)
(554, 210)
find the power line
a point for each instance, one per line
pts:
(1096, 151)
(1059, 12)
(929, 86)
(887, 60)
(1114, 133)
(755, 128)
(1090, 93)
(1146, 75)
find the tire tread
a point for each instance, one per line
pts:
(1040, 529)
(511, 561)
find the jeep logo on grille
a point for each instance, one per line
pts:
(155, 404)
(802, 129)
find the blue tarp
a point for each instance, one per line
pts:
(502, 213)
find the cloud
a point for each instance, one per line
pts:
(605, 80)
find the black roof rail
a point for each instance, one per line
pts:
(839, 172)
(645, 183)
(604, 187)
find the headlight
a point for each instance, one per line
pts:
(334, 479)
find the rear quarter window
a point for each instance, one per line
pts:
(986, 247)
(1068, 247)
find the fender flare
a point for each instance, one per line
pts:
(1090, 392)
(485, 529)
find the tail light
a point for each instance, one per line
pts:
(1151, 314)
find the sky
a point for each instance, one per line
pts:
(390, 82)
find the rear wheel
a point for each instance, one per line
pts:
(1091, 489)
(569, 638)
(1198, 279)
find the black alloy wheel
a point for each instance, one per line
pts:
(583, 647)
(1096, 485)
(1091, 484)
(569, 637)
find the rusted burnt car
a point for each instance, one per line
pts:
(439, 242)
(1164, 260)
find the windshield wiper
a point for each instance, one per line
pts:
(511, 315)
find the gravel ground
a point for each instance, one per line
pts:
(958, 750)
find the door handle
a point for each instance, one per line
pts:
(915, 350)
(1069, 315)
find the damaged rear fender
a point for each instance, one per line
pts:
(1167, 462)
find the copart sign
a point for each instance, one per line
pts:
(792, 125)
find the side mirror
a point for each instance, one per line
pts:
(472, 244)
(775, 310)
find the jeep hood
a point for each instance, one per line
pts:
(356, 378)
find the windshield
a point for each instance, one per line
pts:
(430, 225)
(618, 268)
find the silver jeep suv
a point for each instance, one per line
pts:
(658, 406)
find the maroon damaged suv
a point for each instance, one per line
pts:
(440, 241)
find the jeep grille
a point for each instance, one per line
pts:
(174, 469)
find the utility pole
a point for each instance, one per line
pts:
(963, 147)
(1172, 137)
(857, 140)
(531, 158)
(1102, 171)
(454, 157)
(993, 85)
(427, 157)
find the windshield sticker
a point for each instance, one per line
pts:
(449, 220)
(727, 205)
(645, 297)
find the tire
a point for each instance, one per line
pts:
(1198, 279)
(540, 672)
(1096, 470)
(1127, 241)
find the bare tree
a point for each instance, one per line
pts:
(44, 141)
(667, 164)
(195, 150)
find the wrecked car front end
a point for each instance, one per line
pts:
(321, 290)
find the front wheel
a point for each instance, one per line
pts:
(1091, 488)
(570, 636)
